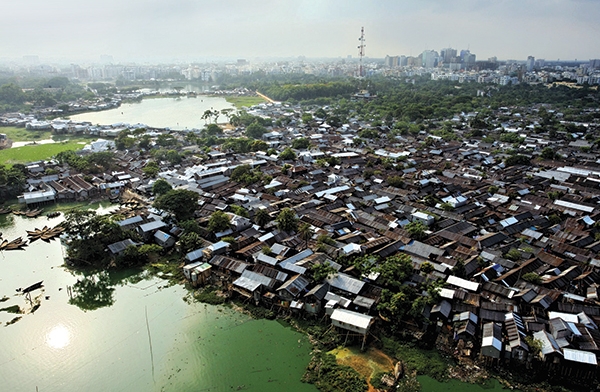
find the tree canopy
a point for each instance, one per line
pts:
(286, 220)
(180, 202)
(219, 221)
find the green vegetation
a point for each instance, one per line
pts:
(262, 217)
(38, 152)
(424, 362)
(219, 221)
(90, 164)
(287, 154)
(240, 102)
(89, 236)
(532, 277)
(180, 202)
(209, 295)
(246, 175)
(328, 376)
(161, 187)
(416, 229)
(286, 220)
(23, 135)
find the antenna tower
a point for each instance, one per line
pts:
(361, 51)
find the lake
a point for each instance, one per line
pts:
(175, 113)
(130, 332)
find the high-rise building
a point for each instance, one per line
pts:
(530, 63)
(448, 55)
(429, 58)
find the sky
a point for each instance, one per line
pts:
(196, 30)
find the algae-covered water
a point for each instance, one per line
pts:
(130, 332)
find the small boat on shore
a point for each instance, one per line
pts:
(45, 234)
(53, 214)
(13, 245)
(33, 213)
(34, 286)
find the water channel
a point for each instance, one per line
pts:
(130, 332)
(174, 113)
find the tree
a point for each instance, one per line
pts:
(207, 115)
(321, 271)
(145, 142)
(286, 220)
(427, 268)
(306, 232)
(180, 202)
(160, 187)
(532, 277)
(218, 222)
(394, 270)
(307, 118)
(513, 254)
(190, 241)
(255, 130)
(287, 155)
(535, 345)
(123, 141)
(239, 210)
(212, 130)
(395, 181)
(300, 143)
(548, 153)
(262, 217)
(416, 229)
(151, 169)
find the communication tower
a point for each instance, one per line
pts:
(361, 52)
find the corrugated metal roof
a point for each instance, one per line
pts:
(580, 356)
(356, 319)
(346, 283)
(463, 283)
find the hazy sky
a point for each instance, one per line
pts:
(202, 29)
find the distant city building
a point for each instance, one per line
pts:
(429, 58)
(530, 63)
(448, 55)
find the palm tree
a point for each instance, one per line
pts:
(207, 115)
(306, 232)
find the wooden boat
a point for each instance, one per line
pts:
(6, 210)
(34, 286)
(34, 213)
(13, 245)
(53, 214)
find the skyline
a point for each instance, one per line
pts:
(197, 30)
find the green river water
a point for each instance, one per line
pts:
(195, 347)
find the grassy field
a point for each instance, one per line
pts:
(239, 102)
(22, 135)
(37, 152)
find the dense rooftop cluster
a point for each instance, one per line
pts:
(495, 214)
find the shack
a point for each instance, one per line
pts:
(352, 322)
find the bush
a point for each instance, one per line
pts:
(328, 376)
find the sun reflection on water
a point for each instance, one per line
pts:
(58, 337)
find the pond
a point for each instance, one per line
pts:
(128, 331)
(175, 113)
